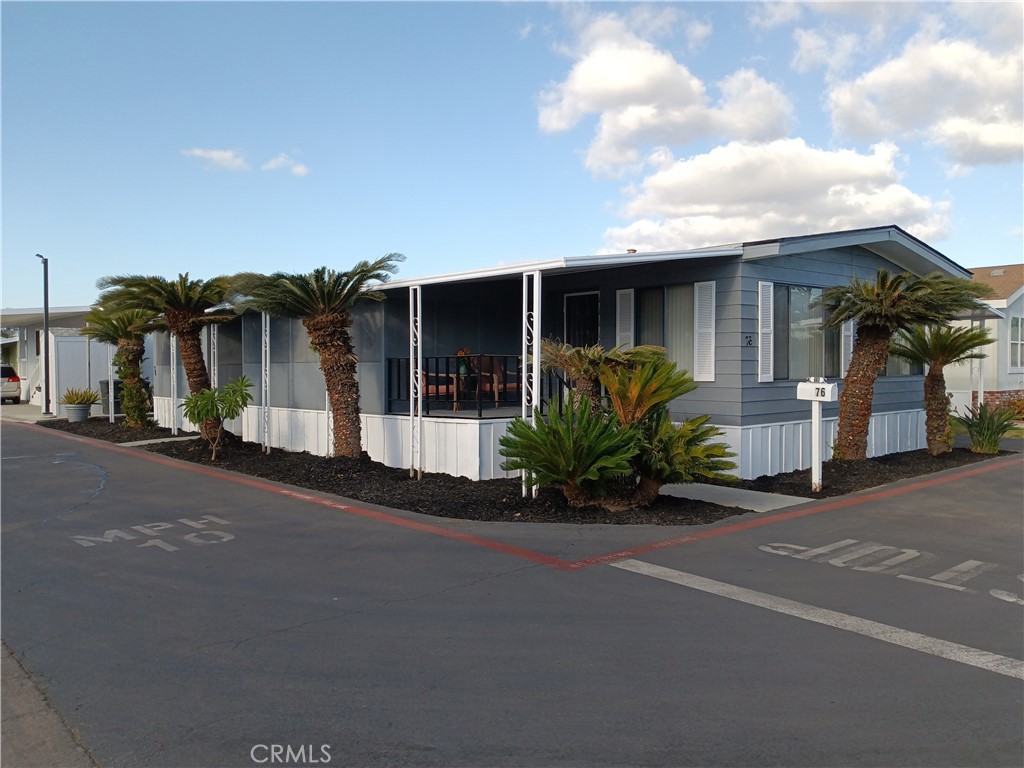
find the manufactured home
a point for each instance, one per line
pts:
(999, 378)
(445, 362)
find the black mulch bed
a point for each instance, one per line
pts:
(501, 500)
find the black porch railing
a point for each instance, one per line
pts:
(482, 385)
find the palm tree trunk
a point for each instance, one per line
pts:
(870, 351)
(575, 495)
(190, 346)
(330, 336)
(936, 407)
(133, 394)
(646, 492)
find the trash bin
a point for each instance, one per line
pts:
(105, 396)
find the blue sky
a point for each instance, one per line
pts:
(213, 138)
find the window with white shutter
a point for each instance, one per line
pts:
(765, 331)
(704, 331)
(849, 330)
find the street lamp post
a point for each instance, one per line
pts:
(46, 334)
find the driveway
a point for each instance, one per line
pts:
(179, 616)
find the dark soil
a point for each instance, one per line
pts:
(501, 500)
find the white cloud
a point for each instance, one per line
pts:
(229, 159)
(285, 161)
(643, 95)
(744, 191)
(817, 50)
(951, 93)
(697, 34)
(768, 15)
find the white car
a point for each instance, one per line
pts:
(10, 384)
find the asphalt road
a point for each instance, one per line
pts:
(180, 617)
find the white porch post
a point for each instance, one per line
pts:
(415, 391)
(981, 372)
(213, 356)
(110, 378)
(174, 384)
(265, 380)
(530, 353)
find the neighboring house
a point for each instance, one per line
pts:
(28, 355)
(741, 318)
(1000, 376)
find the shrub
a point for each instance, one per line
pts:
(1017, 406)
(218, 404)
(80, 397)
(577, 450)
(986, 426)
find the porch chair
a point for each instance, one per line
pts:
(440, 386)
(495, 378)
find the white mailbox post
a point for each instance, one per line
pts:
(818, 391)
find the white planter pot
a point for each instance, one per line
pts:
(77, 412)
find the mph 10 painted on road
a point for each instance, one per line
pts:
(872, 557)
(151, 533)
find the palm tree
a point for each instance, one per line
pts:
(127, 331)
(937, 346)
(324, 300)
(183, 304)
(881, 308)
(583, 365)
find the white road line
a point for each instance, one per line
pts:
(963, 654)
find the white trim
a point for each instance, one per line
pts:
(765, 332)
(265, 379)
(704, 331)
(625, 316)
(566, 263)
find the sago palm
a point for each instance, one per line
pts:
(880, 308)
(678, 454)
(636, 391)
(323, 300)
(127, 331)
(937, 346)
(582, 365)
(579, 451)
(183, 305)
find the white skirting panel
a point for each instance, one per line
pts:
(469, 447)
(771, 449)
(292, 429)
(459, 447)
(165, 411)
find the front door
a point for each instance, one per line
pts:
(582, 319)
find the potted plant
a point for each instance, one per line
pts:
(79, 402)
(463, 360)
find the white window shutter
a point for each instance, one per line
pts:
(704, 331)
(849, 331)
(624, 318)
(765, 331)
